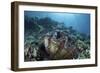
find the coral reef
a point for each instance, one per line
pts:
(46, 39)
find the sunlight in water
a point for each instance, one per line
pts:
(64, 15)
(68, 18)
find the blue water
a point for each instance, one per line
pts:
(79, 21)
